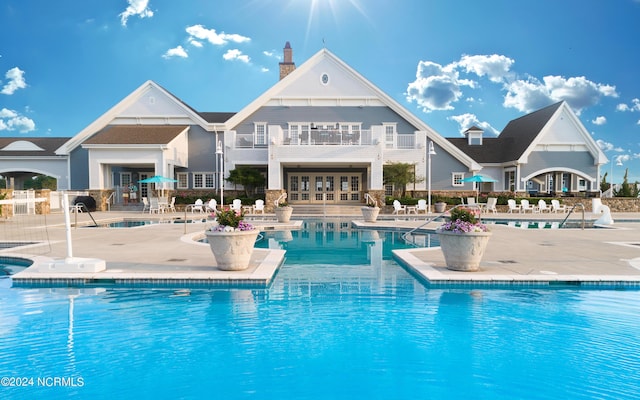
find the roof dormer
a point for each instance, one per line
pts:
(474, 136)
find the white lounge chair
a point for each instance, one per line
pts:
(556, 206)
(525, 206)
(236, 205)
(145, 204)
(542, 206)
(399, 208)
(258, 207)
(422, 206)
(154, 206)
(212, 206)
(513, 206)
(172, 205)
(491, 205)
(198, 206)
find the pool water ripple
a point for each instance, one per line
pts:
(326, 330)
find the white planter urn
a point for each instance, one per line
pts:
(370, 214)
(463, 251)
(232, 250)
(283, 214)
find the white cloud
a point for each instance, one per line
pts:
(264, 69)
(210, 35)
(136, 7)
(578, 92)
(195, 43)
(10, 120)
(635, 106)
(176, 52)
(16, 81)
(272, 54)
(468, 120)
(235, 54)
(601, 120)
(495, 67)
(436, 87)
(604, 146)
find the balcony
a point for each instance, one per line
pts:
(319, 137)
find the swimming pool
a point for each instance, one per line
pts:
(355, 325)
(135, 223)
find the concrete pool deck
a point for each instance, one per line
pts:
(166, 254)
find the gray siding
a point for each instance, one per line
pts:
(581, 161)
(79, 162)
(368, 116)
(443, 165)
(202, 150)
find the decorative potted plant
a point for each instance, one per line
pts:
(283, 211)
(440, 206)
(463, 239)
(371, 210)
(231, 240)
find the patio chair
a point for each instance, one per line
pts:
(145, 204)
(198, 206)
(258, 207)
(513, 206)
(525, 206)
(556, 206)
(154, 206)
(236, 205)
(212, 206)
(491, 205)
(422, 206)
(542, 206)
(172, 204)
(399, 208)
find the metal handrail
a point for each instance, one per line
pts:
(279, 200)
(569, 214)
(368, 199)
(404, 236)
(111, 196)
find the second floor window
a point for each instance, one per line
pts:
(260, 134)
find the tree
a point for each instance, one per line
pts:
(41, 182)
(604, 185)
(627, 190)
(400, 175)
(248, 177)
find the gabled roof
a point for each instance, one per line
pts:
(216, 117)
(136, 134)
(110, 115)
(30, 146)
(325, 55)
(520, 136)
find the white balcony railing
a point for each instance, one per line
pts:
(318, 137)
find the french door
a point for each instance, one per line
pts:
(319, 188)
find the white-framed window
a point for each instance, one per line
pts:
(510, 180)
(125, 179)
(260, 134)
(456, 178)
(389, 134)
(203, 180)
(294, 133)
(183, 180)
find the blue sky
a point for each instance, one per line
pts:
(452, 63)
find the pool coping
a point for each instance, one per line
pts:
(514, 257)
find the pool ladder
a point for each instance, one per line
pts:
(569, 214)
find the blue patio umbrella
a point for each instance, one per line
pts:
(158, 179)
(478, 179)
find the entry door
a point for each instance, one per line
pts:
(144, 187)
(325, 188)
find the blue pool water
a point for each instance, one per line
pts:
(324, 330)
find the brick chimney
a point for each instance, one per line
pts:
(287, 65)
